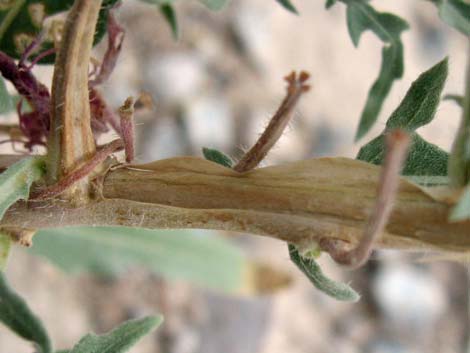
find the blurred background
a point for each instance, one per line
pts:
(217, 87)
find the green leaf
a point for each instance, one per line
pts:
(16, 181)
(176, 254)
(456, 13)
(5, 244)
(420, 103)
(461, 211)
(387, 27)
(217, 157)
(6, 102)
(362, 17)
(330, 3)
(21, 22)
(424, 158)
(454, 97)
(215, 5)
(312, 270)
(391, 69)
(288, 6)
(168, 12)
(16, 315)
(119, 340)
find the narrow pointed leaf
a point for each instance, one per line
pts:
(461, 211)
(391, 69)
(119, 340)
(16, 181)
(6, 102)
(330, 3)
(456, 13)
(312, 270)
(424, 158)
(5, 245)
(362, 17)
(217, 157)
(16, 315)
(288, 6)
(454, 97)
(194, 256)
(215, 5)
(169, 14)
(420, 103)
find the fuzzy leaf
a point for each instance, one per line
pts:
(119, 340)
(22, 21)
(312, 270)
(391, 69)
(217, 157)
(454, 97)
(214, 5)
(461, 211)
(420, 103)
(176, 254)
(456, 13)
(424, 158)
(288, 6)
(16, 181)
(5, 244)
(169, 14)
(6, 102)
(362, 17)
(388, 27)
(16, 315)
(329, 3)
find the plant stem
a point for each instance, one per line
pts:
(459, 161)
(296, 87)
(71, 141)
(298, 202)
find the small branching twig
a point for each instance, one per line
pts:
(296, 87)
(81, 172)
(397, 148)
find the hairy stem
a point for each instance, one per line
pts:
(397, 147)
(297, 202)
(296, 86)
(71, 140)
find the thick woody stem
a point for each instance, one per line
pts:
(296, 86)
(71, 140)
(397, 148)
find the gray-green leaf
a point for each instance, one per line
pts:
(362, 17)
(461, 211)
(288, 6)
(5, 245)
(119, 340)
(16, 181)
(420, 103)
(214, 5)
(454, 97)
(390, 70)
(312, 270)
(16, 315)
(218, 157)
(195, 256)
(6, 102)
(424, 158)
(456, 13)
